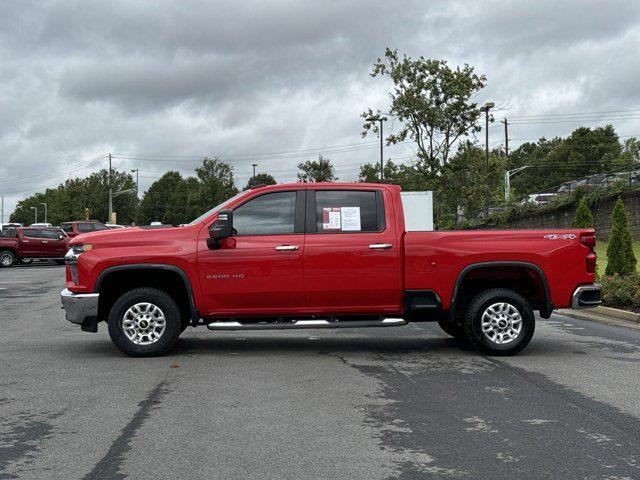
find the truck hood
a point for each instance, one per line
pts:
(133, 236)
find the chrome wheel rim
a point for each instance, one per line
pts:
(501, 323)
(6, 259)
(144, 323)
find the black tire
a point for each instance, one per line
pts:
(473, 321)
(167, 306)
(7, 258)
(452, 328)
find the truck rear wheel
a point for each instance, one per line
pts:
(499, 322)
(7, 258)
(144, 322)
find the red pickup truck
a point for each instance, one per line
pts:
(78, 227)
(28, 244)
(323, 256)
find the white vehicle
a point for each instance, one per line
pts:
(113, 226)
(541, 198)
(41, 225)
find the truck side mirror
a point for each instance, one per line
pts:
(221, 229)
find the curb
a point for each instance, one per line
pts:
(606, 315)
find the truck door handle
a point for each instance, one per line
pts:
(380, 246)
(287, 248)
(45, 241)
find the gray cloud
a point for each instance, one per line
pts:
(165, 80)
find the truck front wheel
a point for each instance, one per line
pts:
(499, 322)
(7, 258)
(144, 322)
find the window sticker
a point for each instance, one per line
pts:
(331, 218)
(351, 219)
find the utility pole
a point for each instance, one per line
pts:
(487, 106)
(35, 209)
(378, 118)
(135, 218)
(254, 165)
(45, 211)
(110, 193)
(2, 209)
(506, 137)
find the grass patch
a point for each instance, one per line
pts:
(601, 251)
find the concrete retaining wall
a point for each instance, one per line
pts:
(562, 217)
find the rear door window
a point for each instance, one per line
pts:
(347, 211)
(30, 232)
(84, 227)
(99, 226)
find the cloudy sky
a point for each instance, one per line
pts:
(162, 83)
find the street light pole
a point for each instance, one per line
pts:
(507, 180)
(35, 209)
(486, 107)
(380, 119)
(45, 211)
(254, 165)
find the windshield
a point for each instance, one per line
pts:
(217, 207)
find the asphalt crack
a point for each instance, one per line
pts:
(109, 465)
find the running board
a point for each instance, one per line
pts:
(298, 324)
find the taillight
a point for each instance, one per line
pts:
(589, 240)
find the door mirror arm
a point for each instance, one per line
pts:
(222, 228)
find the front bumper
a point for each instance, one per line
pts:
(586, 296)
(80, 308)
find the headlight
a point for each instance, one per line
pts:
(75, 251)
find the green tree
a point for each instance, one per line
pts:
(620, 257)
(432, 103)
(460, 189)
(259, 180)
(166, 201)
(552, 162)
(316, 171)
(215, 184)
(467, 184)
(583, 217)
(79, 198)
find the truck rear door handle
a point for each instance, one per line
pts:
(286, 248)
(380, 246)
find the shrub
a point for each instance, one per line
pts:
(620, 257)
(583, 217)
(621, 291)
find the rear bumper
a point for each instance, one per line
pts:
(586, 296)
(79, 308)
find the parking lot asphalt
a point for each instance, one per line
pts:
(406, 402)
